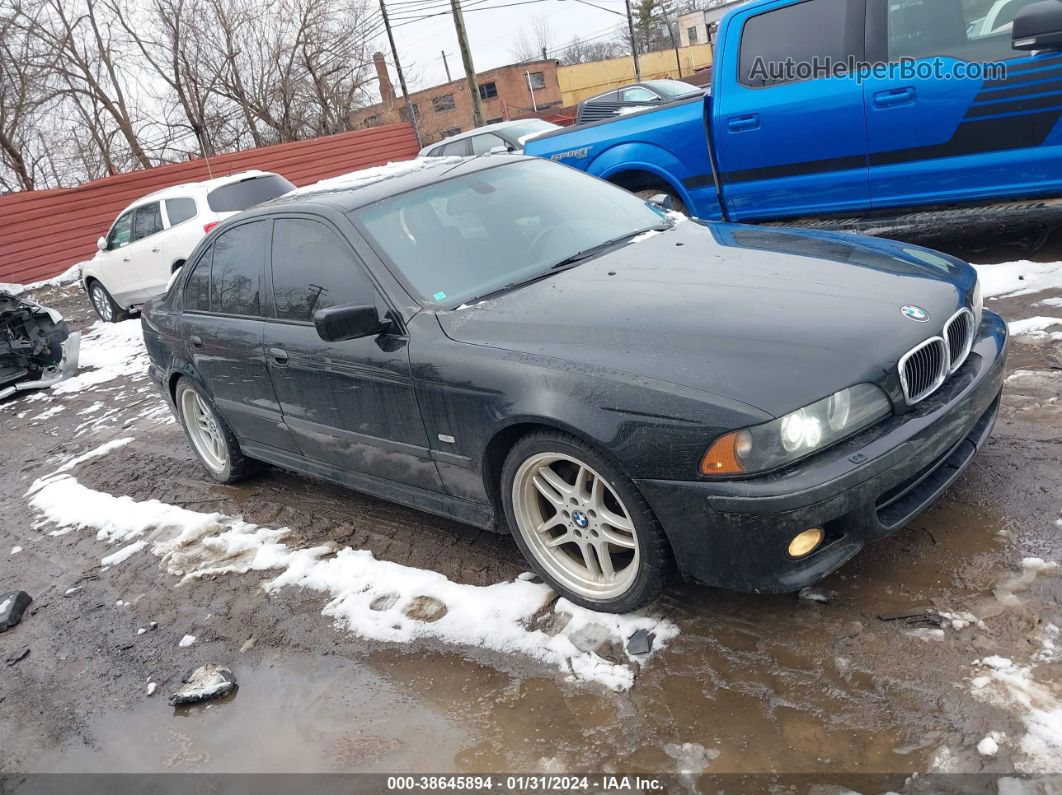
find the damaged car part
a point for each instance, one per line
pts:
(37, 349)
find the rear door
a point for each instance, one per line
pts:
(348, 404)
(146, 251)
(222, 325)
(958, 114)
(788, 120)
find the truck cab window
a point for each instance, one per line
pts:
(810, 32)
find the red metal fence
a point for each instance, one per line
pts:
(42, 233)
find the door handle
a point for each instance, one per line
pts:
(125, 259)
(894, 97)
(197, 341)
(155, 250)
(279, 355)
(750, 121)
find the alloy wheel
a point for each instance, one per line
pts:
(575, 525)
(204, 431)
(102, 302)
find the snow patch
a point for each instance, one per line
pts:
(108, 351)
(367, 176)
(372, 598)
(1035, 326)
(1019, 278)
(71, 274)
(186, 641)
(15, 550)
(123, 554)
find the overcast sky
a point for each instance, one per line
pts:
(492, 34)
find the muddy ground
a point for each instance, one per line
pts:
(752, 683)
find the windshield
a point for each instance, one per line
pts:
(673, 88)
(471, 235)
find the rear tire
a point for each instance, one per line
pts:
(677, 205)
(582, 524)
(107, 309)
(212, 440)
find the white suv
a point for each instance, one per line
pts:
(154, 235)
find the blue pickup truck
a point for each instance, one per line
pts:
(834, 108)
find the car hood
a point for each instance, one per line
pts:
(776, 319)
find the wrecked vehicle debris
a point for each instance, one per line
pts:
(37, 349)
(12, 606)
(204, 683)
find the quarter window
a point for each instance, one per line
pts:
(122, 231)
(458, 148)
(180, 210)
(236, 276)
(815, 31)
(313, 268)
(639, 94)
(970, 30)
(197, 288)
(147, 220)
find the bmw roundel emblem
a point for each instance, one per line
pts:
(915, 313)
(580, 519)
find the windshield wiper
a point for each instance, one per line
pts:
(571, 262)
(587, 253)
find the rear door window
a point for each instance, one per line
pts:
(236, 276)
(313, 268)
(122, 231)
(147, 220)
(639, 94)
(247, 193)
(180, 209)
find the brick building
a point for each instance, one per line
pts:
(447, 109)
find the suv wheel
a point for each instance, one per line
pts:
(582, 525)
(106, 309)
(213, 441)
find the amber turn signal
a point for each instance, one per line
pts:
(722, 457)
(803, 544)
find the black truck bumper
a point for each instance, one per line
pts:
(735, 534)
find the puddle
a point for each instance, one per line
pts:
(292, 713)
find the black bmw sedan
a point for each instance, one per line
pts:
(522, 347)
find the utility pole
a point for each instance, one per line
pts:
(634, 44)
(446, 66)
(466, 58)
(401, 76)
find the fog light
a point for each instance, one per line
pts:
(803, 544)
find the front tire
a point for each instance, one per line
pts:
(582, 525)
(107, 309)
(212, 439)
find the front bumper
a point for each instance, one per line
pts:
(734, 534)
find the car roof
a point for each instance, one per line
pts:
(359, 188)
(486, 128)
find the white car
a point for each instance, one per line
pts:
(153, 236)
(512, 135)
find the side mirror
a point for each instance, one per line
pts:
(101, 244)
(1038, 26)
(661, 200)
(340, 323)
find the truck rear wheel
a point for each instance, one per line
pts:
(676, 203)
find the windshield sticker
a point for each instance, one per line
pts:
(439, 296)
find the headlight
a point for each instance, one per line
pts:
(978, 305)
(796, 435)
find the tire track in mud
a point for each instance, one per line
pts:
(158, 466)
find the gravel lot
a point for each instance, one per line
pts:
(750, 684)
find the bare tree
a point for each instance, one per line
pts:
(533, 40)
(580, 51)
